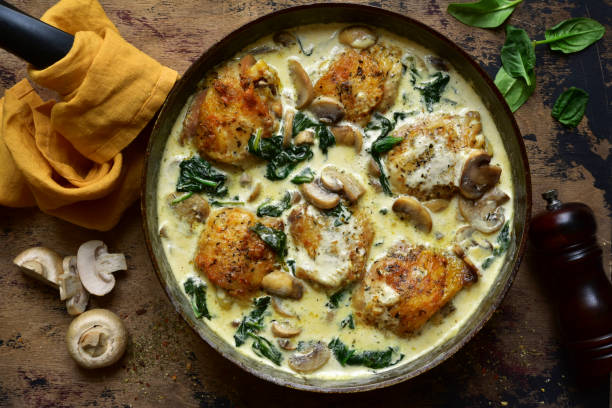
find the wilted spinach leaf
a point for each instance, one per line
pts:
(503, 242)
(348, 321)
(570, 106)
(573, 35)
(336, 298)
(276, 239)
(515, 90)
(217, 203)
(518, 54)
(271, 209)
(197, 294)
(383, 143)
(305, 176)
(370, 359)
(281, 160)
(197, 175)
(301, 122)
(483, 14)
(432, 90)
(253, 322)
(340, 213)
(264, 348)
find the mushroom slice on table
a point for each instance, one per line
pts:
(413, 210)
(486, 213)
(96, 338)
(312, 358)
(96, 267)
(42, 264)
(71, 288)
(478, 176)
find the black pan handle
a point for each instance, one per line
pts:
(30, 39)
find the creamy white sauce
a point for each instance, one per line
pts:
(317, 321)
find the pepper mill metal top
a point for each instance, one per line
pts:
(571, 262)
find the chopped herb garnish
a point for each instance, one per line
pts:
(340, 213)
(370, 359)
(274, 209)
(348, 322)
(197, 175)
(304, 176)
(276, 239)
(432, 90)
(384, 211)
(197, 294)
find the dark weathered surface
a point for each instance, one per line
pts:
(516, 359)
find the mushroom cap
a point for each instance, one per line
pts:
(284, 329)
(41, 263)
(357, 36)
(313, 358)
(301, 81)
(316, 195)
(288, 117)
(436, 204)
(96, 265)
(348, 136)
(327, 109)
(283, 285)
(414, 211)
(336, 181)
(96, 338)
(478, 176)
(485, 214)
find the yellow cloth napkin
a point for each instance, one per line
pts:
(75, 158)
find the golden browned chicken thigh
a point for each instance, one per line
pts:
(358, 80)
(232, 256)
(336, 254)
(242, 98)
(405, 288)
(427, 164)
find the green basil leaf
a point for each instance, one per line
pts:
(573, 35)
(570, 106)
(515, 90)
(518, 54)
(483, 14)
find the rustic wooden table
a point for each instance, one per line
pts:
(516, 360)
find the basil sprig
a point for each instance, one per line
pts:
(570, 106)
(483, 14)
(573, 35)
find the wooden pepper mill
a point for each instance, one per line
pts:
(571, 259)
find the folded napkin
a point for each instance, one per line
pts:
(77, 158)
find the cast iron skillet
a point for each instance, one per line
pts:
(322, 13)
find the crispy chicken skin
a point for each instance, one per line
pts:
(358, 79)
(428, 162)
(346, 245)
(244, 97)
(405, 288)
(232, 256)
